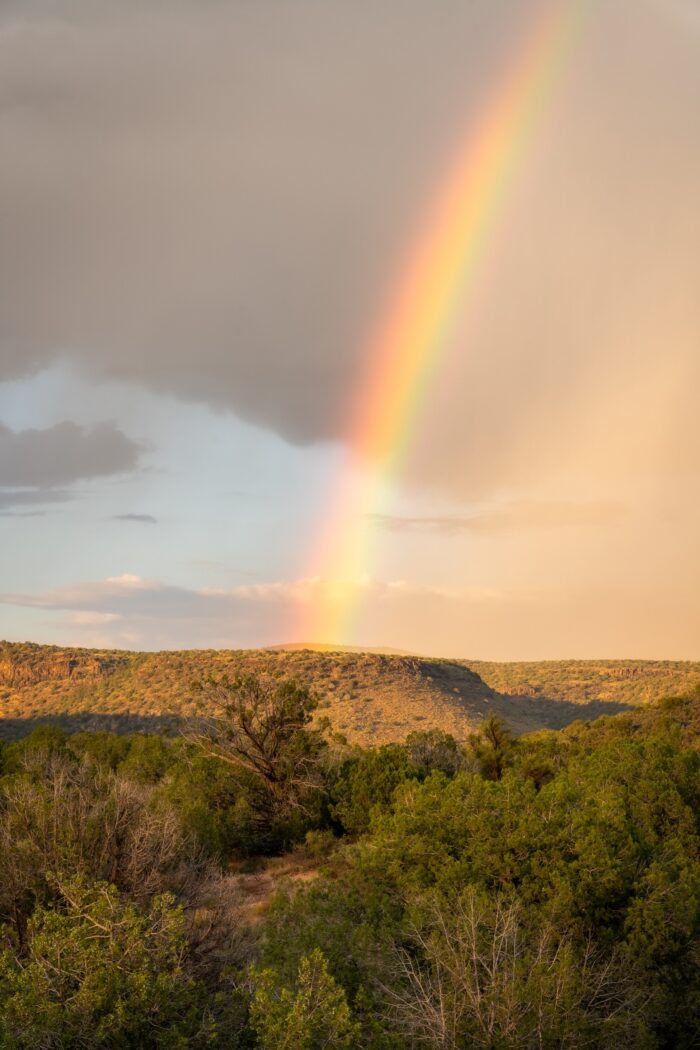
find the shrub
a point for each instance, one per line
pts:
(312, 1015)
(96, 973)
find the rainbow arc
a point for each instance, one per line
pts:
(430, 293)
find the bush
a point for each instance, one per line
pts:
(312, 1015)
(369, 781)
(94, 972)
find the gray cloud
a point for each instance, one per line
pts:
(36, 465)
(523, 516)
(31, 497)
(145, 519)
(223, 223)
(63, 454)
(217, 222)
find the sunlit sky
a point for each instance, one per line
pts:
(203, 209)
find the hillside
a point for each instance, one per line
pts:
(633, 682)
(370, 697)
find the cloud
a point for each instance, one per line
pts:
(226, 224)
(552, 621)
(28, 497)
(523, 516)
(149, 596)
(145, 519)
(92, 619)
(63, 454)
(150, 612)
(35, 464)
(245, 202)
(131, 593)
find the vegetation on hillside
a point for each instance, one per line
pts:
(631, 682)
(533, 892)
(370, 697)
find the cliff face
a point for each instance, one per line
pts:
(25, 665)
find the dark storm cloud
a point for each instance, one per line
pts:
(63, 454)
(203, 197)
(212, 199)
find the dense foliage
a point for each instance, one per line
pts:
(540, 892)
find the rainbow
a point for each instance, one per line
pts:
(426, 301)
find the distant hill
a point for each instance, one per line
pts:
(633, 682)
(371, 697)
(324, 647)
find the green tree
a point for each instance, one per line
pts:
(106, 750)
(312, 1015)
(148, 760)
(261, 727)
(491, 746)
(433, 749)
(97, 973)
(369, 781)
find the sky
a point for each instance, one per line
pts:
(205, 208)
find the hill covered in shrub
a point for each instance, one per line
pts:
(370, 697)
